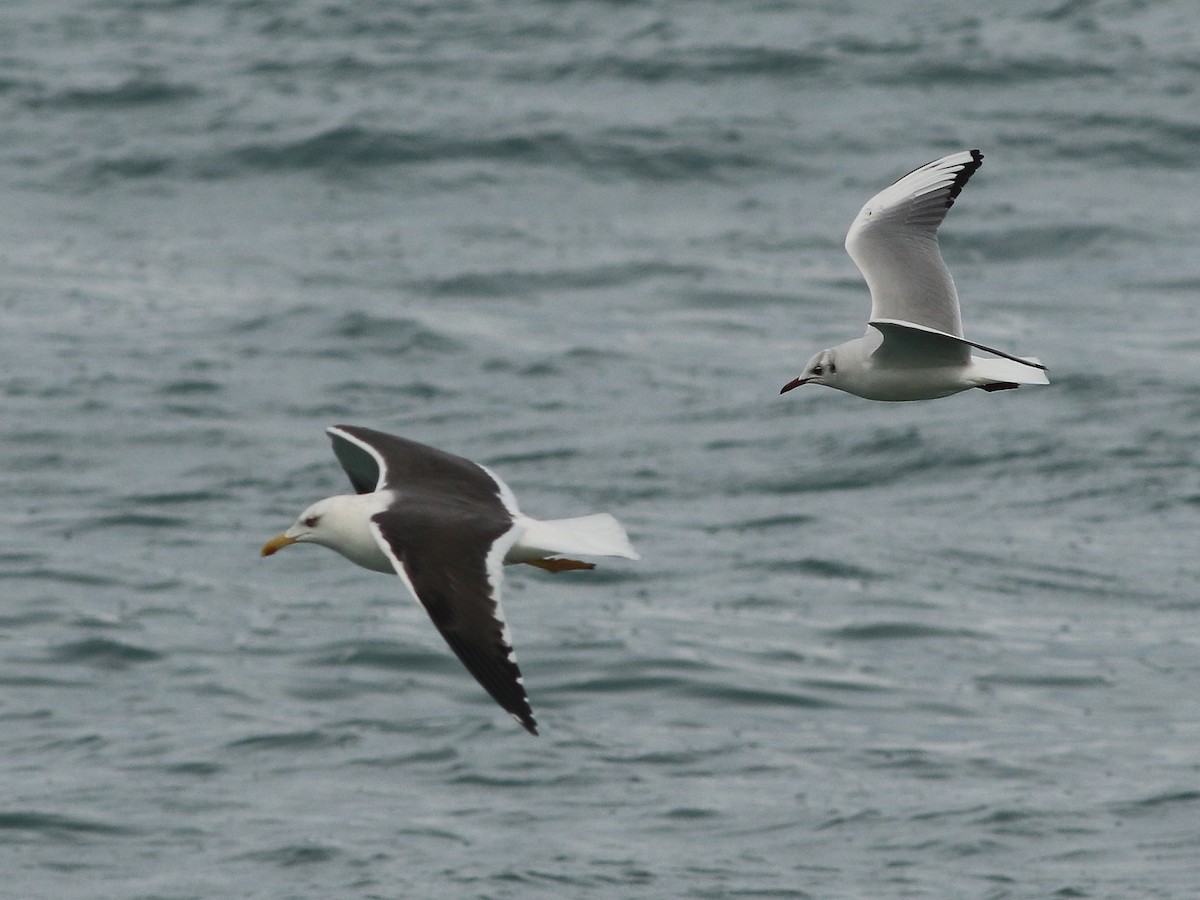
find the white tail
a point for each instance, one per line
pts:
(1000, 369)
(595, 535)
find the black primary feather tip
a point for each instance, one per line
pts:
(964, 175)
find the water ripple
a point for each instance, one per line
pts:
(57, 826)
(102, 652)
(292, 855)
(140, 91)
(901, 631)
(291, 741)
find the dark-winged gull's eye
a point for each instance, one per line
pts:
(817, 370)
(311, 521)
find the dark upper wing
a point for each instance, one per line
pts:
(375, 460)
(361, 461)
(452, 561)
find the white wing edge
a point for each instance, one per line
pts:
(377, 533)
(381, 480)
(493, 563)
(900, 323)
(507, 497)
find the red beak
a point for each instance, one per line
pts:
(794, 383)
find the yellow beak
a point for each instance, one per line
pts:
(276, 544)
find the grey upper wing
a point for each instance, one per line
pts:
(912, 344)
(893, 241)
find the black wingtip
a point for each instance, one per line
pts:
(525, 716)
(963, 176)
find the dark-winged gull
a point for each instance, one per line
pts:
(447, 526)
(914, 347)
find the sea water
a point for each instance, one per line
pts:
(942, 649)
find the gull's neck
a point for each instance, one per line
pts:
(346, 528)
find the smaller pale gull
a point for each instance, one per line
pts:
(447, 526)
(914, 347)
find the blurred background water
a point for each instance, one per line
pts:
(945, 649)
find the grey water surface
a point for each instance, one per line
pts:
(946, 649)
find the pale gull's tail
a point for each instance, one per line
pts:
(595, 535)
(1000, 370)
